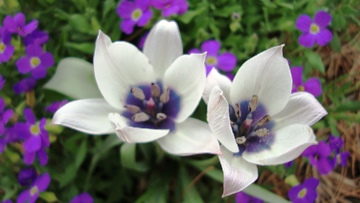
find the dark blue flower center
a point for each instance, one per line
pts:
(152, 106)
(251, 126)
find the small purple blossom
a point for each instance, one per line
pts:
(82, 198)
(305, 192)
(142, 40)
(320, 157)
(36, 61)
(37, 37)
(27, 176)
(17, 25)
(242, 197)
(289, 164)
(56, 105)
(40, 184)
(312, 85)
(25, 85)
(225, 62)
(7, 201)
(171, 7)
(37, 138)
(314, 30)
(6, 49)
(336, 143)
(5, 116)
(133, 13)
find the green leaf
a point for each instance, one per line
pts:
(87, 48)
(348, 106)
(128, 158)
(188, 16)
(189, 192)
(81, 153)
(338, 22)
(68, 176)
(266, 195)
(335, 43)
(80, 23)
(315, 61)
(48, 196)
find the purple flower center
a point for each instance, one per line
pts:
(2, 47)
(35, 129)
(300, 88)
(251, 126)
(302, 193)
(136, 14)
(152, 106)
(34, 190)
(35, 61)
(314, 29)
(211, 60)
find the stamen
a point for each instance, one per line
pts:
(161, 116)
(262, 132)
(240, 140)
(165, 96)
(132, 108)
(140, 117)
(253, 103)
(155, 90)
(237, 110)
(263, 120)
(138, 93)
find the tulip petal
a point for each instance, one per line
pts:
(133, 134)
(87, 115)
(266, 75)
(188, 86)
(215, 78)
(79, 76)
(118, 66)
(162, 46)
(190, 137)
(219, 120)
(289, 143)
(302, 108)
(238, 173)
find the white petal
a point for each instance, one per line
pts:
(219, 120)
(118, 66)
(215, 78)
(266, 75)
(187, 77)
(289, 143)
(162, 46)
(238, 173)
(190, 137)
(79, 78)
(134, 135)
(302, 108)
(87, 115)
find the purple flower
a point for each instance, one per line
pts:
(6, 49)
(336, 143)
(36, 61)
(27, 176)
(7, 201)
(40, 184)
(304, 193)
(82, 198)
(289, 164)
(37, 37)
(17, 25)
(37, 138)
(312, 85)
(314, 30)
(142, 40)
(55, 106)
(171, 7)
(319, 157)
(5, 116)
(225, 62)
(135, 12)
(242, 197)
(25, 85)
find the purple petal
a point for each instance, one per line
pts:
(142, 4)
(145, 18)
(127, 26)
(323, 149)
(226, 61)
(10, 24)
(39, 72)
(29, 157)
(323, 37)
(322, 19)
(311, 183)
(47, 59)
(313, 86)
(325, 165)
(24, 85)
(43, 182)
(34, 50)
(208, 69)
(307, 40)
(125, 9)
(23, 65)
(32, 144)
(212, 47)
(7, 115)
(296, 74)
(23, 197)
(2, 145)
(27, 176)
(303, 23)
(29, 28)
(42, 156)
(195, 51)
(19, 19)
(171, 10)
(184, 6)
(29, 115)
(37, 37)
(343, 158)
(9, 51)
